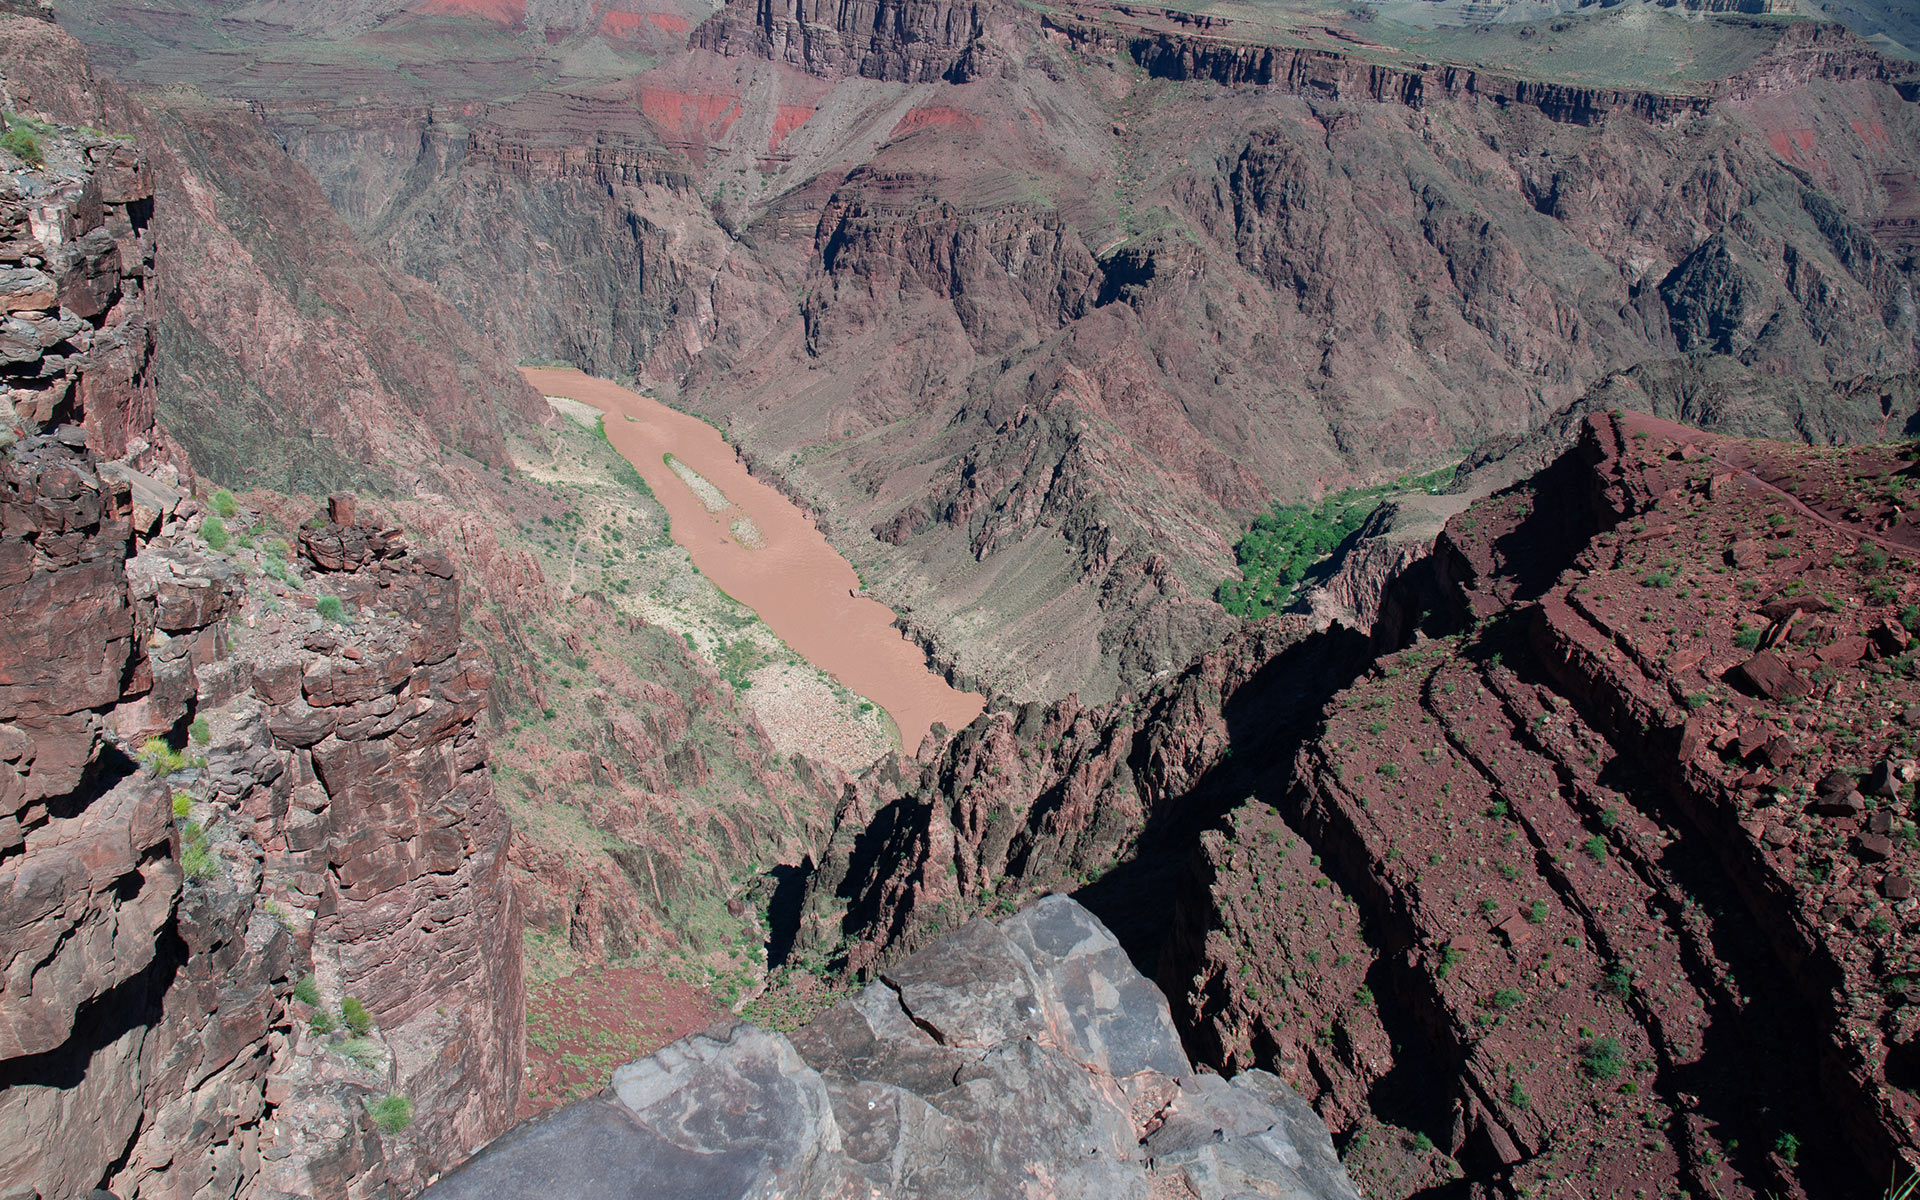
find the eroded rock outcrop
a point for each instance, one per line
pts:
(1654, 783)
(230, 807)
(1031, 1056)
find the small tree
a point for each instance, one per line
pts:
(1602, 1058)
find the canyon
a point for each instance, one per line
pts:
(388, 763)
(761, 549)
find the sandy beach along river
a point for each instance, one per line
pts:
(763, 552)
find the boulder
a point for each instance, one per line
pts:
(1025, 1059)
(1767, 674)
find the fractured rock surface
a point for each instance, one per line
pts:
(1028, 1058)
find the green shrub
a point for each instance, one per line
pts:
(278, 548)
(196, 860)
(182, 804)
(1517, 1095)
(1596, 847)
(200, 731)
(321, 1023)
(21, 143)
(1537, 912)
(1507, 998)
(358, 1019)
(1748, 638)
(391, 1113)
(223, 503)
(213, 531)
(1788, 1147)
(1602, 1058)
(330, 608)
(160, 758)
(307, 991)
(364, 1052)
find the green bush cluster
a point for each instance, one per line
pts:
(739, 659)
(159, 758)
(213, 531)
(1284, 544)
(355, 1014)
(1602, 1058)
(391, 1113)
(196, 859)
(20, 142)
(330, 608)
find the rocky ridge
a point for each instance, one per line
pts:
(1031, 1055)
(1656, 789)
(234, 805)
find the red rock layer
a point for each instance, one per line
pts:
(207, 791)
(1615, 884)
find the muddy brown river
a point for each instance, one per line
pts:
(792, 577)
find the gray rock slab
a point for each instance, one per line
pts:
(1014, 1062)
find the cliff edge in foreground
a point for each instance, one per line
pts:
(1024, 1058)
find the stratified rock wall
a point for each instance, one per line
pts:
(1028, 1058)
(209, 789)
(1654, 784)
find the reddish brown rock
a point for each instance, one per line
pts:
(1767, 674)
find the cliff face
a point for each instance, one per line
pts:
(1031, 1057)
(230, 824)
(902, 41)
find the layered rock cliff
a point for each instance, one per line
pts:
(246, 802)
(1653, 787)
(1028, 1057)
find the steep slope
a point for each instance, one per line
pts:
(650, 803)
(1604, 878)
(288, 358)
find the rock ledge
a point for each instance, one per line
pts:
(1027, 1058)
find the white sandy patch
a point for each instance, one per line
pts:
(586, 414)
(747, 533)
(803, 713)
(711, 498)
